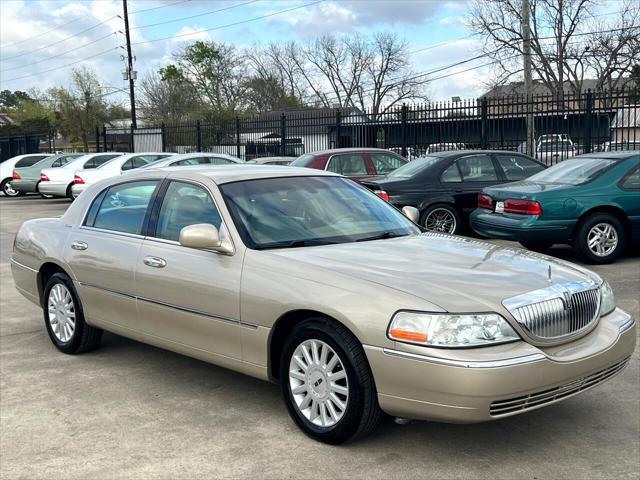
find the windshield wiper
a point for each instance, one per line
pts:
(381, 236)
(294, 244)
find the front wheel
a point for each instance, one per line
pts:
(441, 218)
(327, 384)
(600, 238)
(64, 317)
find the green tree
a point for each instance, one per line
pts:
(10, 100)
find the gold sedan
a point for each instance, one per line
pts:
(305, 278)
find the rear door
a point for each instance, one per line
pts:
(187, 296)
(630, 185)
(476, 172)
(103, 250)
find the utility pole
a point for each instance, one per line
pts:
(528, 82)
(130, 72)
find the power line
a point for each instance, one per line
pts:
(194, 16)
(159, 6)
(63, 66)
(219, 27)
(59, 54)
(63, 40)
(43, 33)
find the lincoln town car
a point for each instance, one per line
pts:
(308, 279)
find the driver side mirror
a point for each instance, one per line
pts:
(412, 213)
(204, 236)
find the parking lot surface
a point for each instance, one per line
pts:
(129, 410)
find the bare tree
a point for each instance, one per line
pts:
(167, 100)
(564, 37)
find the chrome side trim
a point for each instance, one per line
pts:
(175, 307)
(112, 232)
(23, 266)
(535, 357)
(115, 292)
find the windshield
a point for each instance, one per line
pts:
(552, 146)
(573, 172)
(306, 211)
(414, 166)
(303, 160)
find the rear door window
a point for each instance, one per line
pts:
(385, 163)
(516, 167)
(477, 168)
(451, 174)
(123, 207)
(350, 165)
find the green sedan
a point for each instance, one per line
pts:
(26, 179)
(591, 202)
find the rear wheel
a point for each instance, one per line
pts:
(43, 195)
(69, 194)
(441, 218)
(8, 190)
(327, 384)
(64, 317)
(600, 238)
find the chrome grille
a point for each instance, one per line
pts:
(556, 312)
(538, 399)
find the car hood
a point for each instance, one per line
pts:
(525, 187)
(455, 273)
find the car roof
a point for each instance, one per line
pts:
(348, 150)
(221, 174)
(620, 155)
(461, 153)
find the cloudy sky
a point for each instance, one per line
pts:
(42, 40)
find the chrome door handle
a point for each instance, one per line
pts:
(155, 262)
(79, 245)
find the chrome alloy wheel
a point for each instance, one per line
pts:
(9, 191)
(318, 383)
(602, 239)
(440, 220)
(62, 312)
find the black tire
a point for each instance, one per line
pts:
(43, 195)
(362, 414)
(84, 337)
(4, 186)
(581, 238)
(445, 207)
(537, 246)
(68, 192)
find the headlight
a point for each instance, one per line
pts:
(450, 330)
(607, 300)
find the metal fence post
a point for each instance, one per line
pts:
(283, 135)
(403, 123)
(104, 137)
(198, 137)
(338, 128)
(484, 127)
(97, 139)
(238, 137)
(588, 122)
(131, 142)
(163, 139)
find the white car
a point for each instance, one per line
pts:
(6, 170)
(57, 182)
(83, 178)
(196, 158)
(551, 152)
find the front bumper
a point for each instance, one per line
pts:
(57, 189)
(77, 189)
(480, 384)
(521, 228)
(25, 186)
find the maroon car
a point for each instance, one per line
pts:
(356, 163)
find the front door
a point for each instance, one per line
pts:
(188, 297)
(103, 250)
